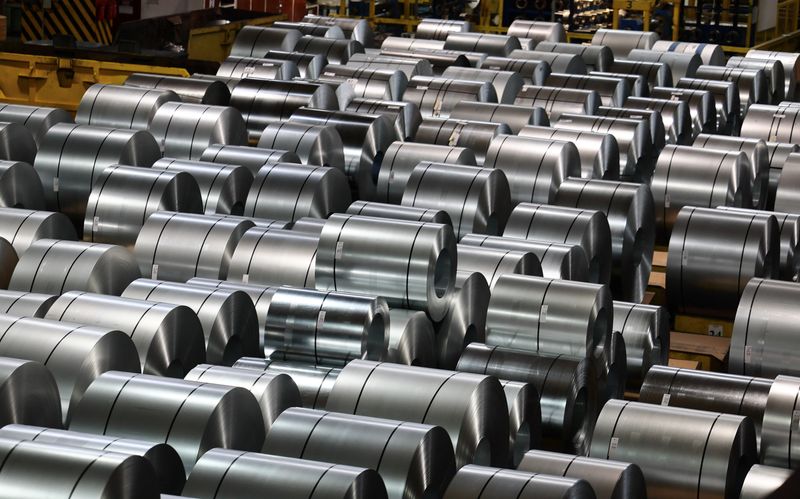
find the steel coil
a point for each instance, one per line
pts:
(370, 83)
(477, 199)
(742, 245)
(630, 212)
(479, 482)
(274, 257)
(308, 65)
(525, 419)
(418, 462)
(194, 90)
(789, 61)
(598, 152)
(496, 45)
(256, 41)
(400, 44)
(25, 304)
(178, 246)
(405, 115)
(779, 446)
(71, 157)
(438, 29)
(411, 338)
(223, 188)
(23, 227)
(409, 66)
(437, 96)
(186, 130)
(778, 155)
(688, 176)
(595, 57)
(675, 118)
(401, 158)
(772, 123)
(709, 53)
(612, 91)
(493, 263)
(29, 394)
(470, 407)
(635, 84)
(559, 62)
(335, 51)
(645, 329)
(118, 106)
(588, 229)
(307, 28)
(532, 72)
(20, 186)
(752, 83)
(8, 262)
(681, 65)
(474, 135)
(229, 81)
(190, 416)
(516, 117)
(621, 42)
(653, 120)
(465, 321)
(355, 29)
(757, 153)
(726, 101)
(314, 382)
(36, 119)
(762, 481)
(773, 71)
(506, 84)
(701, 106)
(308, 225)
(257, 68)
(538, 31)
(625, 430)
(342, 88)
(238, 475)
(314, 145)
(17, 143)
(656, 74)
(557, 101)
(786, 192)
(252, 158)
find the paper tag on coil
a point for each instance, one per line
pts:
(614, 442)
(543, 313)
(55, 184)
(95, 223)
(665, 399)
(154, 271)
(453, 140)
(748, 353)
(437, 106)
(352, 81)
(328, 73)
(339, 250)
(320, 319)
(245, 278)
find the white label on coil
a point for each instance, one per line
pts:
(614, 442)
(248, 69)
(55, 184)
(748, 353)
(667, 201)
(245, 278)
(422, 87)
(352, 81)
(95, 223)
(543, 313)
(339, 250)
(154, 271)
(665, 399)
(328, 73)
(453, 140)
(715, 329)
(437, 106)
(320, 319)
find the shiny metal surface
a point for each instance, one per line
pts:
(308, 65)
(314, 382)
(726, 101)
(779, 445)
(186, 130)
(252, 158)
(791, 67)
(274, 257)
(493, 263)
(621, 42)
(493, 45)
(29, 394)
(681, 65)
(408, 65)
(752, 83)
(405, 115)
(684, 467)
(516, 117)
(773, 71)
(437, 96)
(465, 321)
(655, 74)
(645, 329)
(119, 106)
(314, 145)
(307, 28)
(559, 62)
(20, 186)
(701, 106)
(557, 101)
(256, 41)
(16, 143)
(477, 199)
(532, 72)
(258, 68)
(22, 227)
(612, 91)
(588, 229)
(635, 84)
(507, 84)
(778, 155)
(411, 338)
(438, 29)
(355, 29)
(709, 53)
(400, 44)
(223, 188)
(539, 31)
(479, 482)
(369, 83)
(598, 152)
(36, 119)
(595, 57)
(713, 254)
(525, 418)
(474, 135)
(472, 408)
(630, 212)
(675, 117)
(194, 90)
(761, 481)
(535, 168)
(786, 193)
(192, 417)
(757, 153)
(25, 304)
(335, 51)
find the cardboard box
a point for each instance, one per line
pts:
(703, 325)
(710, 352)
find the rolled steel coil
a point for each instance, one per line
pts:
(472, 408)
(493, 263)
(635, 84)
(20, 186)
(237, 475)
(645, 329)
(437, 96)
(465, 321)
(625, 431)
(726, 101)
(409, 65)
(538, 31)
(535, 168)
(308, 65)
(598, 152)
(17, 143)
(630, 212)
(186, 130)
(223, 188)
(743, 245)
(411, 338)
(71, 157)
(335, 51)
(559, 62)
(73, 353)
(438, 29)
(532, 72)
(274, 257)
(516, 117)
(477, 199)
(25, 304)
(29, 394)
(401, 158)
(306, 28)
(414, 460)
(609, 361)
(192, 417)
(790, 63)
(653, 119)
(314, 145)
(496, 45)
(525, 419)
(786, 192)
(701, 106)
(474, 135)
(588, 229)
(655, 73)
(479, 482)
(79, 472)
(621, 42)
(124, 196)
(258, 68)
(566, 386)
(400, 44)
(773, 71)
(252, 158)
(762, 481)
(405, 115)
(314, 382)
(779, 446)
(609, 479)
(256, 41)
(194, 90)
(36, 119)
(557, 101)
(772, 123)
(308, 225)
(22, 227)
(507, 84)
(355, 29)
(757, 153)
(342, 88)
(228, 317)
(778, 155)
(229, 81)
(54, 267)
(370, 83)
(709, 53)
(688, 176)
(178, 246)
(612, 91)
(681, 65)
(118, 106)
(595, 57)
(752, 83)
(558, 261)
(675, 117)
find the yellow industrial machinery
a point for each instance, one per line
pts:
(213, 43)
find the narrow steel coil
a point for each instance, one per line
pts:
(532, 72)
(36, 119)
(401, 157)
(257, 68)
(223, 188)
(635, 84)
(437, 96)
(229, 81)
(409, 66)
(675, 118)
(752, 83)
(779, 153)
(557, 101)
(681, 65)
(516, 117)
(22, 227)
(314, 145)
(493, 263)
(194, 90)
(414, 460)
(238, 475)
(742, 245)
(762, 481)
(535, 168)
(118, 106)
(621, 42)
(612, 91)
(335, 51)
(773, 71)
(595, 57)
(400, 44)
(54, 267)
(772, 123)
(558, 261)
(625, 431)
(559, 62)
(307, 28)
(709, 53)
(477, 199)
(190, 416)
(609, 479)
(287, 191)
(507, 84)
(274, 257)
(256, 41)
(355, 29)
(370, 83)
(17, 143)
(645, 329)
(538, 31)
(343, 89)
(465, 321)
(786, 192)
(791, 67)
(757, 153)
(178, 246)
(438, 29)
(701, 106)
(25, 304)
(496, 45)
(474, 135)
(479, 482)
(308, 65)
(656, 74)
(308, 225)
(726, 101)
(630, 212)
(29, 394)
(314, 382)
(411, 338)
(779, 446)
(688, 176)
(71, 157)
(79, 472)
(74, 354)
(252, 158)
(525, 419)
(20, 186)
(228, 317)
(598, 152)
(472, 408)
(652, 118)
(186, 130)
(405, 115)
